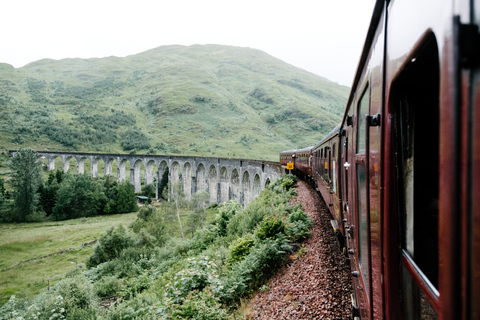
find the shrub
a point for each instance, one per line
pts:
(109, 286)
(270, 228)
(225, 213)
(110, 245)
(197, 275)
(298, 230)
(201, 305)
(240, 248)
(145, 212)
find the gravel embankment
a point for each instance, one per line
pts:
(315, 286)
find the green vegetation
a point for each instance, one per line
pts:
(206, 276)
(21, 242)
(183, 100)
(63, 196)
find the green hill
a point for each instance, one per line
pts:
(205, 100)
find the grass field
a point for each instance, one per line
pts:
(21, 243)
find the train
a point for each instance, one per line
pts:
(401, 173)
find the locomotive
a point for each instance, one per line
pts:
(400, 174)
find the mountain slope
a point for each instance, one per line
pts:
(209, 100)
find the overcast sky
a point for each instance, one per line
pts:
(322, 36)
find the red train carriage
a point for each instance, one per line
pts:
(325, 172)
(401, 173)
(301, 159)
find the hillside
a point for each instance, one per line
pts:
(209, 100)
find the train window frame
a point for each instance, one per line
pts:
(363, 221)
(415, 101)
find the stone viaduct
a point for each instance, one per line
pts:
(224, 179)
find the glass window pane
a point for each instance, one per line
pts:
(363, 109)
(362, 219)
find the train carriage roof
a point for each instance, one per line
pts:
(335, 131)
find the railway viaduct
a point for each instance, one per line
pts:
(224, 179)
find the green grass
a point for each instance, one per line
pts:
(25, 241)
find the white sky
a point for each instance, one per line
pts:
(322, 36)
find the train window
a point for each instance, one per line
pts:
(363, 109)
(362, 228)
(416, 102)
(334, 174)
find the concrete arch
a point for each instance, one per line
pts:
(201, 184)
(121, 171)
(109, 165)
(235, 185)
(224, 185)
(136, 176)
(257, 186)
(187, 180)
(150, 171)
(96, 161)
(246, 190)
(83, 166)
(175, 173)
(267, 182)
(212, 184)
(51, 162)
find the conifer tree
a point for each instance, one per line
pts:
(26, 178)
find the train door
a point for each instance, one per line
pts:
(362, 205)
(415, 98)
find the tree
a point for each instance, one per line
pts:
(26, 178)
(75, 197)
(163, 182)
(196, 218)
(48, 191)
(126, 199)
(178, 197)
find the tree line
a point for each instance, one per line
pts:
(62, 196)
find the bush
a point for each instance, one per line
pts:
(240, 248)
(109, 286)
(225, 213)
(198, 274)
(110, 245)
(270, 228)
(201, 305)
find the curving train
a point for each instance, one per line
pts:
(401, 173)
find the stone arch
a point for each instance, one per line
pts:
(257, 185)
(175, 173)
(160, 171)
(84, 166)
(150, 170)
(267, 182)
(187, 180)
(213, 184)
(224, 185)
(247, 195)
(54, 162)
(136, 174)
(70, 164)
(123, 166)
(98, 166)
(200, 178)
(110, 167)
(235, 184)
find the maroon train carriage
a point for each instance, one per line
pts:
(301, 159)
(407, 164)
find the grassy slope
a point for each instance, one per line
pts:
(199, 100)
(22, 242)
